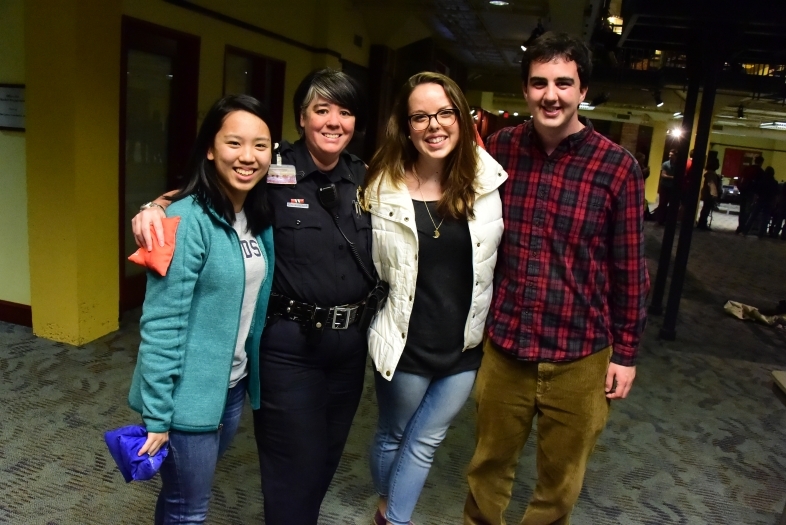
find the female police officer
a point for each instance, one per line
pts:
(312, 357)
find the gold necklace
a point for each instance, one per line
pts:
(436, 228)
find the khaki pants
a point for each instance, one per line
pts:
(571, 406)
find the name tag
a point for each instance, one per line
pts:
(297, 203)
(282, 174)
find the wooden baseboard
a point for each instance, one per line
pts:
(16, 313)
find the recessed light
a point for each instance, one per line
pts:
(515, 114)
(501, 111)
(498, 2)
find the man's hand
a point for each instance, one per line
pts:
(623, 377)
(154, 442)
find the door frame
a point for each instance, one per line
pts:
(183, 48)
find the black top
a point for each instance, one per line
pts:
(313, 263)
(443, 296)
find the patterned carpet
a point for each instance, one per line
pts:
(700, 440)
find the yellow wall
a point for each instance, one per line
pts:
(778, 160)
(14, 269)
(72, 51)
(314, 26)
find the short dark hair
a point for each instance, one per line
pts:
(201, 179)
(759, 160)
(334, 86)
(553, 45)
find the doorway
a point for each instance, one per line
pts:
(158, 123)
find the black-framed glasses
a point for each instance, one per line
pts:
(444, 117)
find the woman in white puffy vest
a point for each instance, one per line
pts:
(436, 222)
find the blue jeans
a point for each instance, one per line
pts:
(187, 472)
(414, 415)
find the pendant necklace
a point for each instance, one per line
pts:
(436, 228)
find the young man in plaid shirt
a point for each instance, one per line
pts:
(569, 304)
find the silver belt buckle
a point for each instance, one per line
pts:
(340, 325)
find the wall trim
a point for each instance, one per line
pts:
(251, 27)
(16, 313)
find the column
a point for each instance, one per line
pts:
(72, 72)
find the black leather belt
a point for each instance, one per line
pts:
(335, 317)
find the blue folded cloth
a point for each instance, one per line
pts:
(124, 444)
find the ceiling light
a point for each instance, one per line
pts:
(501, 111)
(678, 114)
(498, 2)
(658, 100)
(515, 114)
(740, 112)
(586, 107)
(472, 111)
(773, 125)
(523, 47)
(676, 132)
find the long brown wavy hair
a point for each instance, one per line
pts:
(397, 154)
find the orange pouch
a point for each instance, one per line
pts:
(159, 258)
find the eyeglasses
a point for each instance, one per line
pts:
(420, 121)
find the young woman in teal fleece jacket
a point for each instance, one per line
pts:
(202, 322)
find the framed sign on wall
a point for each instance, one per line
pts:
(12, 107)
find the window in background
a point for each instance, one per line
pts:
(259, 76)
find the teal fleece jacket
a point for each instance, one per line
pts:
(190, 322)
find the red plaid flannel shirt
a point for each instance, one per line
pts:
(571, 278)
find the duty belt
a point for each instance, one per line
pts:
(335, 317)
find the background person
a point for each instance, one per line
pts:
(194, 367)
(710, 192)
(779, 214)
(645, 171)
(437, 222)
(569, 297)
(665, 187)
(746, 183)
(311, 370)
(765, 192)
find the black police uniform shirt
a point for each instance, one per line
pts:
(313, 262)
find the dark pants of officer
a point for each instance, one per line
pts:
(309, 396)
